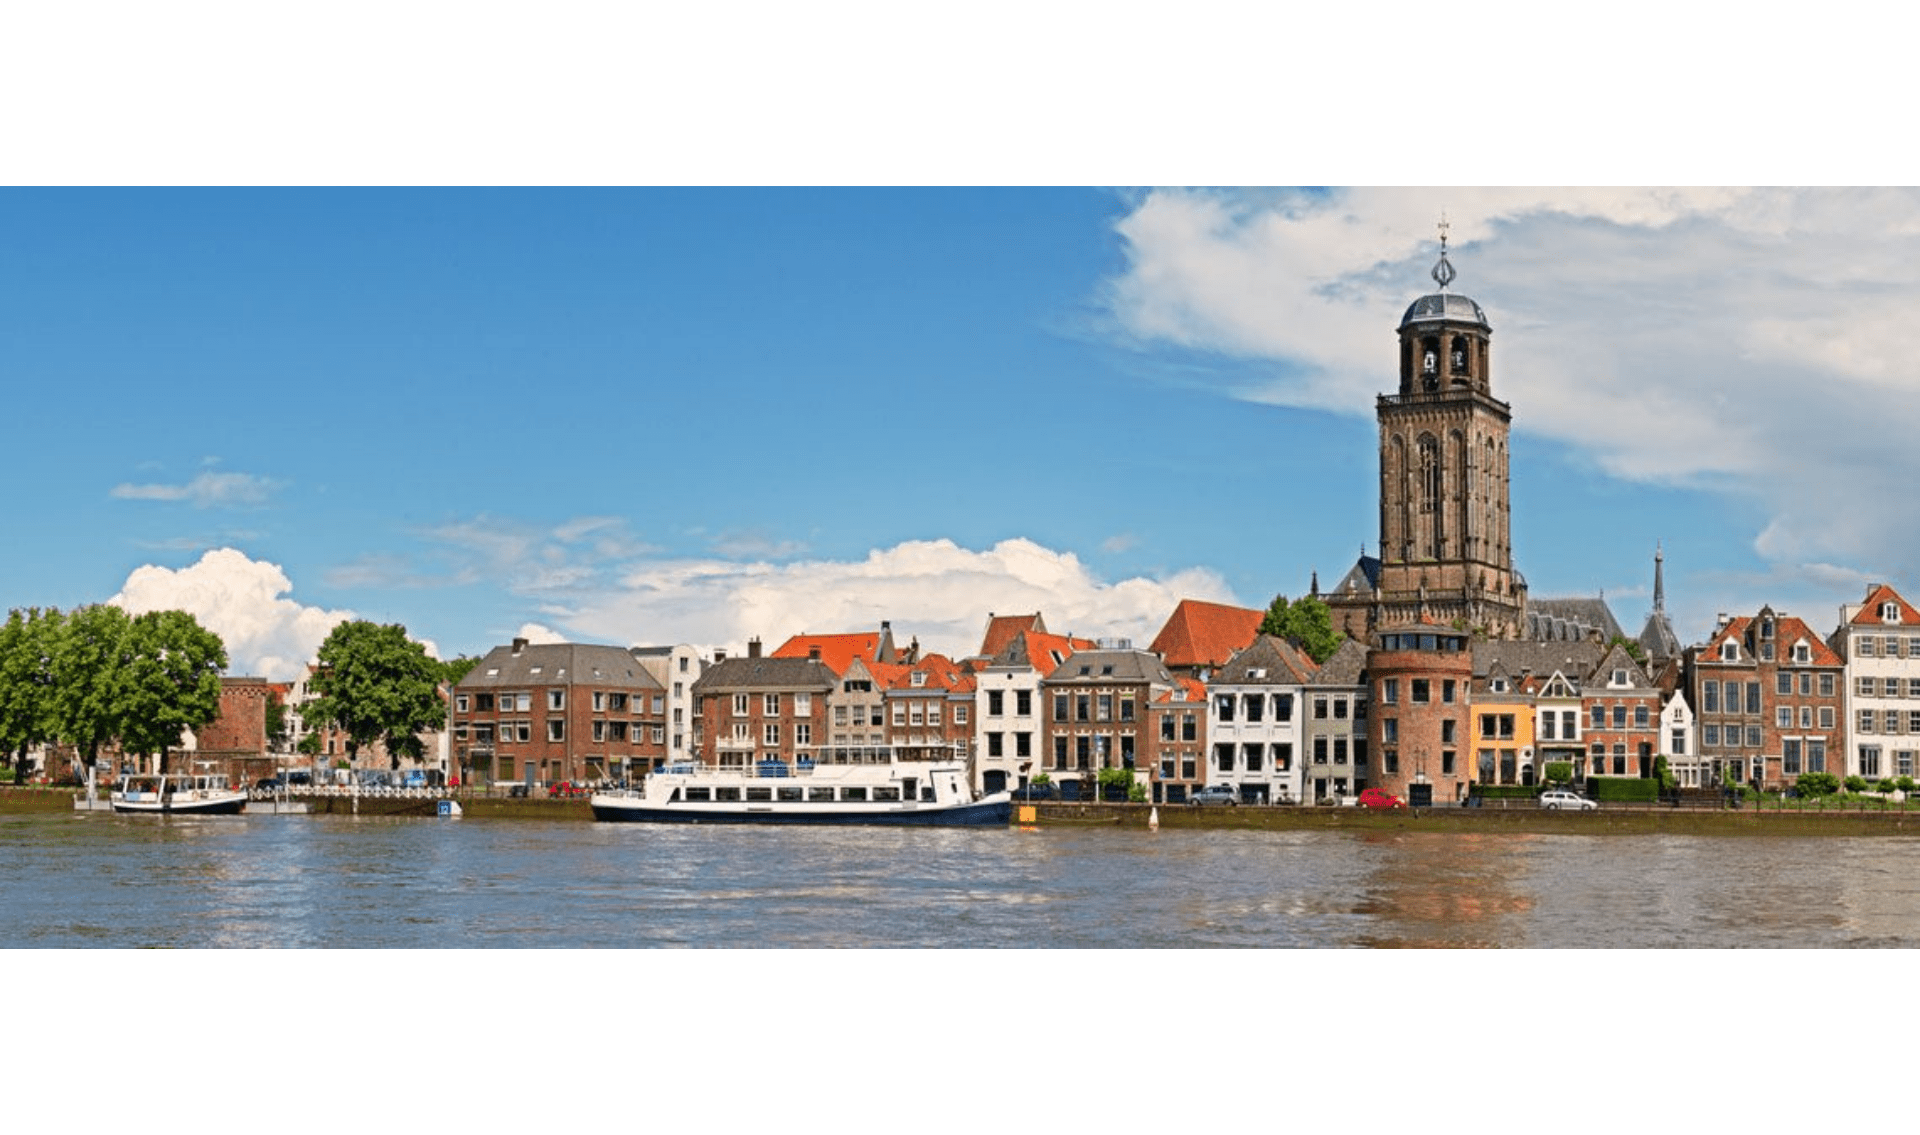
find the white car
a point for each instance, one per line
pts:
(1558, 799)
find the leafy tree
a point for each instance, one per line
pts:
(1663, 773)
(26, 682)
(276, 719)
(171, 681)
(1306, 621)
(88, 663)
(1634, 650)
(1856, 784)
(376, 684)
(1557, 772)
(455, 669)
(1904, 784)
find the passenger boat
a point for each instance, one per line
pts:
(179, 794)
(858, 787)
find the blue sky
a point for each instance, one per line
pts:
(661, 415)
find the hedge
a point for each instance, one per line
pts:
(1625, 789)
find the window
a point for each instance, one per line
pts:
(1753, 736)
(556, 699)
(739, 705)
(1867, 644)
(556, 730)
(772, 706)
(599, 731)
(1783, 717)
(1421, 690)
(802, 705)
(1082, 707)
(1870, 761)
(1710, 736)
(1816, 756)
(1104, 706)
(1865, 687)
(599, 701)
(960, 715)
(460, 703)
(1446, 691)
(1446, 732)
(1256, 708)
(1732, 697)
(994, 699)
(1826, 718)
(1546, 726)
(1710, 696)
(1223, 757)
(1806, 717)
(1619, 716)
(1599, 717)
(1866, 721)
(1891, 687)
(1446, 762)
(994, 744)
(1826, 685)
(1389, 691)
(1390, 730)
(1189, 728)
(1283, 707)
(1166, 726)
(1640, 716)
(1319, 750)
(1790, 757)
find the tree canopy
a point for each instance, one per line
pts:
(374, 683)
(171, 682)
(1305, 620)
(26, 680)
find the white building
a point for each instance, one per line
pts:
(1880, 641)
(1257, 704)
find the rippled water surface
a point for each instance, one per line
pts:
(279, 881)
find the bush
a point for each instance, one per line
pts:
(1624, 789)
(1557, 772)
(1817, 784)
(1903, 783)
(1856, 784)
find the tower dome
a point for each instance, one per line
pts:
(1444, 307)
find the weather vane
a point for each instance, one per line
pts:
(1443, 271)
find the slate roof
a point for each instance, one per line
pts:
(750, 674)
(559, 664)
(1112, 666)
(1205, 634)
(1347, 666)
(1516, 658)
(1267, 661)
(1570, 620)
(1037, 650)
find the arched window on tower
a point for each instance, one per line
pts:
(1458, 361)
(1430, 362)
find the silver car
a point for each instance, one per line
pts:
(1557, 799)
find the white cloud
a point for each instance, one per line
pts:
(933, 590)
(205, 491)
(1750, 342)
(244, 602)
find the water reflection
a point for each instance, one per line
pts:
(98, 880)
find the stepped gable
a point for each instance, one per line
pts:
(1788, 630)
(1003, 629)
(1271, 660)
(1200, 635)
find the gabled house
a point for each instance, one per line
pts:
(1095, 706)
(756, 709)
(1009, 720)
(1769, 696)
(1258, 704)
(1177, 733)
(1623, 717)
(1879, 638)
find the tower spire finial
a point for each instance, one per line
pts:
(1443, 271)
(1659, 586)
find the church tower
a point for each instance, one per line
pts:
(1446, 551)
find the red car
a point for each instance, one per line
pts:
(567, 788)
(1380, 798)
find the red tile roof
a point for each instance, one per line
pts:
(836, 650)
(1880, 595)
(1003, 629)
(1042, 649)
(1787, 630)
(1205, 634)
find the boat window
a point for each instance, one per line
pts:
(820, 795)
(699, 794)
(791, 795)
(727, 793)
(886, 792)
(759, 793)
(926, 794)
(853, 794)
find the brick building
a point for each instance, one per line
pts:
(1768, 698)
(757, 708)
(1421, 674)
(559, 711)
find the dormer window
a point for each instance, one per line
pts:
(1498, 685)
(1766, 629)
(1890, 612)
(1619, 678)
(1729, 652)
(1802, 653)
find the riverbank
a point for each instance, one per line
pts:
(1611, 820)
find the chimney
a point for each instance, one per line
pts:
(519, 644)
(753, 647)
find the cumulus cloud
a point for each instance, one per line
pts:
(934, 590)
(242, 600)
(208, 490)
(1744, 342)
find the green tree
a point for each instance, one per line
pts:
(1306, 621)
(1856, 784)
(376, 684)
(1817, 784)
(26, 683)
(455, 669)
(1557, 772)
(276, 720)
(1634, 650)
(1663, 773)
(88, 662)
(171, 681)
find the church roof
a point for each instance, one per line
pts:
(1445, 307)
(1570, 620)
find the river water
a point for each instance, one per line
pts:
(97, 880)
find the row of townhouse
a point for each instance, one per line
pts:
(1424, 710)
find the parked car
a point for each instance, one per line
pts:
(1214, 794)
(567, 788)
(1557, 799)
(1380, 798)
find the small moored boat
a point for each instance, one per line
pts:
(852, 787)
(178, 794)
